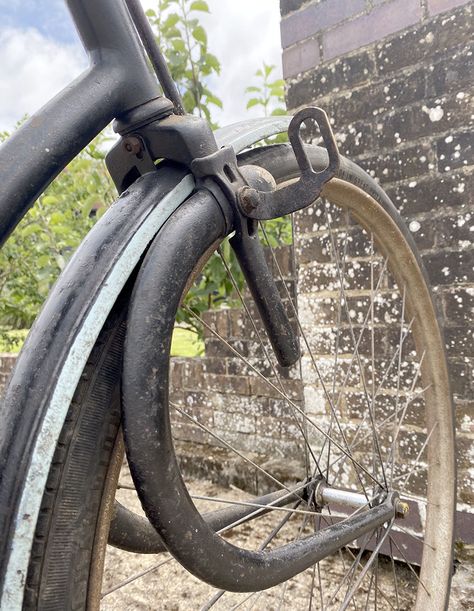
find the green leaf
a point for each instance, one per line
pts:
(170, 22)
(49, 200)
(199, 5)
(254, 102)
(252, 89)
(179, 45)
(200, 35)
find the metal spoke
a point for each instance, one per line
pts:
(336, 351)
(316, 368)
(250, 504)
(395, 578)
(402, 318)
(297, 408)
(361, 371)
(416, 537)
(228, 445)
(355, 564)
(422, 449)
(410, 566)
(265, 543)
(269, 359)
(368, 564)
(134, 577)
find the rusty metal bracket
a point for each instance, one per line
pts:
(264, 205)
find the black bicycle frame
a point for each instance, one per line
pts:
(117, 80)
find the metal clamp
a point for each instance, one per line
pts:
(262, 205)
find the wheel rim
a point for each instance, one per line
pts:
(434, 576)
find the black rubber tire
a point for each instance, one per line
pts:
(60, 565)
(147, 421)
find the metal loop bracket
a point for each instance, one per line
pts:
(263, 205)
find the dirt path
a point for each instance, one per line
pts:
(166, 585)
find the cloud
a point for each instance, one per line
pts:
(242, 34)
(34, 69)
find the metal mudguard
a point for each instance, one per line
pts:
(59, 344)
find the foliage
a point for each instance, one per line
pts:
(12, 340)
(47, 236)
(45, 239)
(269, 94)
(183, 41)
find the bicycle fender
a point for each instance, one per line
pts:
(243, 134)
(60, 341)
(62, 337)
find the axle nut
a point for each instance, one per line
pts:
(401, 509)
(247, 199)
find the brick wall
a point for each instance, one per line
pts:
(226, 395)
(395, 77)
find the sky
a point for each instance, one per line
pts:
(40, 52)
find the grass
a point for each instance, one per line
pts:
(185, 342)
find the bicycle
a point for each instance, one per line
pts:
(186, 194)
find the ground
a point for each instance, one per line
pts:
(158, 582)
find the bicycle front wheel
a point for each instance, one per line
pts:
(365, 413)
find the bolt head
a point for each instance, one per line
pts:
(132, 145)
(247, 199)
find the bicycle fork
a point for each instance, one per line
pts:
(246, 194)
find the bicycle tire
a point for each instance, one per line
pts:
(159, 288)
(42, 385)
(280, 162)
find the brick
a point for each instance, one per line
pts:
(422, 43)
(218, 321)
(400, 165)
(458, 305)
(424, 232)
(455, 151)
(227, 383)
(340, 75)
(291, 388)
(216, 348)
(234, 422)
(203, 415)
(213, 365)
(459, 341)
(450, 267)
(317, 17)
(288, 6)
(460, 372)
(301, 57)
(377, 97)
(424, 119)
(269, 427)
(451, 73)
(465, 452)
(464, 416)
(439, 6)
(455, 231)
(433, 193)
(380, 22)
(356, 139)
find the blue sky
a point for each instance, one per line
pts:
(50, 17)
(40, 52)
